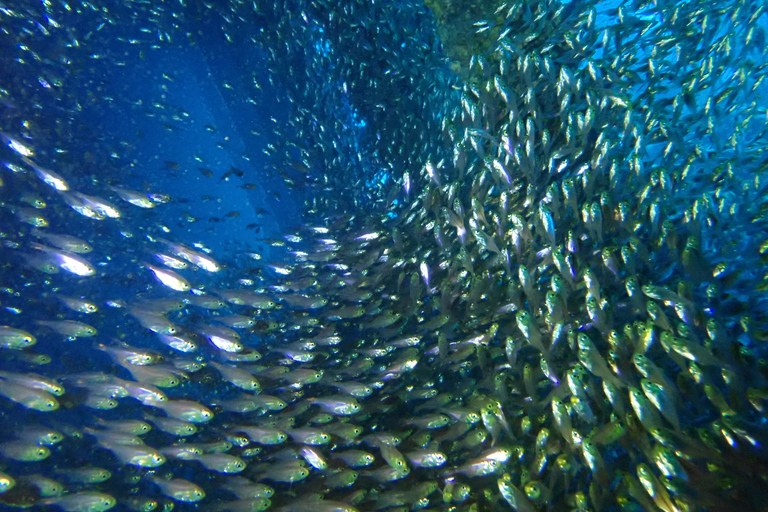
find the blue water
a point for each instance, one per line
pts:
(183, 99)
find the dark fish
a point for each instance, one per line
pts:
(232, 171)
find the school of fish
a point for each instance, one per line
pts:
(531, 275)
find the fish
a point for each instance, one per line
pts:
(68, 261)
(14, 338)
(84, 501)
(135, 198)
(28, 397)
(180, 490)
(24, 452)
(169, 278)
(506, 257)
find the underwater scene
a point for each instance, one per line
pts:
(384, 255)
